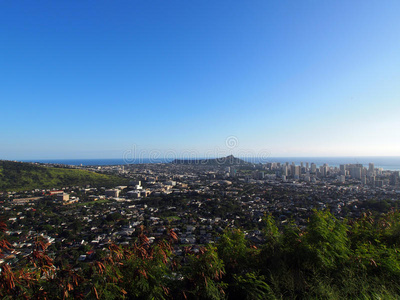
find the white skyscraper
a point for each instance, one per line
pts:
(285, 170)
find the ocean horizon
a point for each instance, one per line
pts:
(384, 162)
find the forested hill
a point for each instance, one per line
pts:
(19, 176)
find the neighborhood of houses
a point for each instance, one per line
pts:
(197, 201)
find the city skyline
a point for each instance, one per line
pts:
(89, 80)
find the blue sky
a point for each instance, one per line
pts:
(93, 79)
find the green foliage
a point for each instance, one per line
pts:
(240, 258)
(17, 176)
(333, 259)
(326, 241)
(271, 230)
(251, 286)
(328, 259)
(203, 275)
(235, 252)
(140, 271)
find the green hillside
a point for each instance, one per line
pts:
(18, 176)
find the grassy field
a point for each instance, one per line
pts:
(173, 218)
(102, 201)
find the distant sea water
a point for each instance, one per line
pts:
(99, 161)
(384, 162)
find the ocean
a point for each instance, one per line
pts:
(384, 162)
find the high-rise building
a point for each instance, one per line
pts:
(296, 173)
(364, 171)
(394, 178)
(313, 168)
(285, 170)
(292, 167)
(364, 180)
(355, 172)
(324, 170)
(371, 168)
(342, 169)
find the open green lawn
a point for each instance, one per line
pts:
(102, 201)
(173, 218)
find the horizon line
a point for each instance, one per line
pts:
(201, 157)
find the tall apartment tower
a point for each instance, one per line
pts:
(292, 170)
(296, 174)
(342, 169)
(371, 168)
(285, 170)
(394, 178)
(313, 168)
(355, 172)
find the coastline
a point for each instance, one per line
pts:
(391, 163)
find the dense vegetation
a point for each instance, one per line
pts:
(328, 259)
(17, 176)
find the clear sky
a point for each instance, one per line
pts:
(93, 79)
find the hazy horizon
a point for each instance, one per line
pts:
(385, 162)
(86, 80)
(204, 157)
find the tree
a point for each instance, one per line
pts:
(203, 275)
